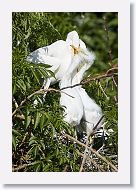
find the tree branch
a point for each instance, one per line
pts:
(84, 157)
(92, 161)
(23, 166)
(85, 81)
(91, 79)
(93, 151)
(41, 91)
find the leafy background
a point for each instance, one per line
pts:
(39, 143)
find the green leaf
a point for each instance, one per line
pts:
(36, 150)
(21, 85)
(53, 131)
(37, 119)
(43, 73)
(14, 142)
(44, 65)
(38, 168)
(35, 75)
(46, 168)
(42, 122)
(28, 120)
(16, 132)
(32, 138)
(14, 88)
(32, 142)
(52, 74)
(31, 150)
(115, 61)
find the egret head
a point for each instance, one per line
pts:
(74, 41)
(76, 44)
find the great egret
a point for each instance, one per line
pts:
(58, 55)
(92, 113)
(70, 99)
(69, 60)
(74, 107)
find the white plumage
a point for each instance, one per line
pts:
(73, 107)
(58, 55)
(69, 60)
(92, 113)
(71, 102)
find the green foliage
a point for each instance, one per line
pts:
(38, 131)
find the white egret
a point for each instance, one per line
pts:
(92, 113)
(69, 60)
(74, 107)
(58, 55)
(70, 100)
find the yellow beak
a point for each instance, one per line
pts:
(76, 50)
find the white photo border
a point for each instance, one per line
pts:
(123, 174)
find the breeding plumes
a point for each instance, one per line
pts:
(69, 60)
(58, 55)
(92, 113)
(70, 99)
(73, 106)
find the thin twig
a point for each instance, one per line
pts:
(95, 127)
(108, 40)
(113, 69)
(23, 166)
(16, 106)
(91, 79)
(22, 117)
(65, 169)
(24, 138)
(20, 167)
(93, 151)
(114, 82)
(84, 157)
(15, 102)
(102, 90)
(109, 47)
(37, 92)
(92, 161)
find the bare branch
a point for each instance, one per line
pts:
(91, 79)
(15, 102)
(22, 117)
(65, 169)
(92, 161)
(16, 105)
(93, 151)
(108, 40)
(84, 157)
(103, 90)
(95, 127)
(23, 166)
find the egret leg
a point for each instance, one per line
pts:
(79, 132)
